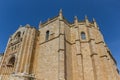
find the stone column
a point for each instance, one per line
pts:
(29, 53)
(24, 54)
(19, 55)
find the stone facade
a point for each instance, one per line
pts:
(59, 50)
(0, 58)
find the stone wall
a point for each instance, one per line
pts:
(1, 58)
(59, 51)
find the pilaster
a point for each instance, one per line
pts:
(78, 55)
(20, 54)
(61, 53)
(30, 50)
(98, 75)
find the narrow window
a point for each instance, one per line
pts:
(83, 36)
(47, 35)
(18, 34)
(11, 62)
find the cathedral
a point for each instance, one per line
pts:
(58, 50)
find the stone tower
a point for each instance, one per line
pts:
(58, 50)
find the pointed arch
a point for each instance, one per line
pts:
(11, 61)
(18, 34)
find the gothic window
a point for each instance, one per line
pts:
(11, 62)
(18, 34)
(47, 35)
(83, 36)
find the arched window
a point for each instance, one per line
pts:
(11, 62)
(83, 36)
(47, 35)
(18, 34)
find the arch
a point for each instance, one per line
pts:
(11, 62)
(83, 36)
(47, 35)
(18, 35)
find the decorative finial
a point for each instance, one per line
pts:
(60, 14)
(86, 20)
(94, 20)
(86, 17)
(76, 21)
(60, 11)
(75, 17)
(40, 24)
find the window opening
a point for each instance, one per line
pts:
(83, 36)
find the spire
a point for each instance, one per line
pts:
(86, 20)
(75, 21)
(60, 14)
(94, 22)
(40, 24)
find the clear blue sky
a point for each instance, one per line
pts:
(20, 12)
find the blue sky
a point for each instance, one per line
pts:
(20, 12)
